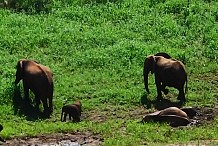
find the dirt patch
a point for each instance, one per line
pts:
(210, 78)
(58, 139)
(114, 113)
(205, 115)
(198, 143)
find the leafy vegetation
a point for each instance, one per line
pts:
(96, 50)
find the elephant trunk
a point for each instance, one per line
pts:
(146, 79)
(17, 80)
(186, 85)
(18, 75)
(149, 66)
(51, 98)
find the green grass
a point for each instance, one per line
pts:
(96, 51)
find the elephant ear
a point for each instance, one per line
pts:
(20, 68)
(35, 61)
(19, 64)
(149, 64)
(19, 72)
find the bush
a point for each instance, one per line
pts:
(29, 6)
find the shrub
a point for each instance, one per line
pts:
(29, 6)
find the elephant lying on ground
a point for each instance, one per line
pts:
(172, 115)
(167, 72)
(37, 78)
(74, 110)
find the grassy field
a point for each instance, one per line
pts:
(96, 51)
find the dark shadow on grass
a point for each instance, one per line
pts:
(159, 104)
(25, 108)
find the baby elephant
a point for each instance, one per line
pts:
(74, 110)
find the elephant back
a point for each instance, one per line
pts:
(47, 72)
(173, 111)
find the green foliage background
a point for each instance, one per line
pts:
(96, 50)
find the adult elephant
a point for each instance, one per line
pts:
(37, 78)
(167, 72)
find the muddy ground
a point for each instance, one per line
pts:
(58, 139)
(205, 115)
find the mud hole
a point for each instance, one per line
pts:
(206, 115)
(60, 139)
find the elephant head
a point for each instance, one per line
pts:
(19, 72)
(149, 66)
(20, 69)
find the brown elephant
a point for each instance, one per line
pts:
(167, 72)
(74, 110)
(172, 115)
(37, 78)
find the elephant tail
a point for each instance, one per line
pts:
(186, 85)
(51, 97)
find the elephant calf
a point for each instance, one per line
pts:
(74, 110)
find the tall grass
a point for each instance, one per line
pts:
(96, 50)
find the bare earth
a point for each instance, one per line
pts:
(58, 139)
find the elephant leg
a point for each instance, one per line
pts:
(37, 103)
(26, 92)
(50, 105)
(181, 95)
(158, 85)
(45, 105)
(65, 117)
(70, 116)
(76, 118)
(163, 88)
(27, 101)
